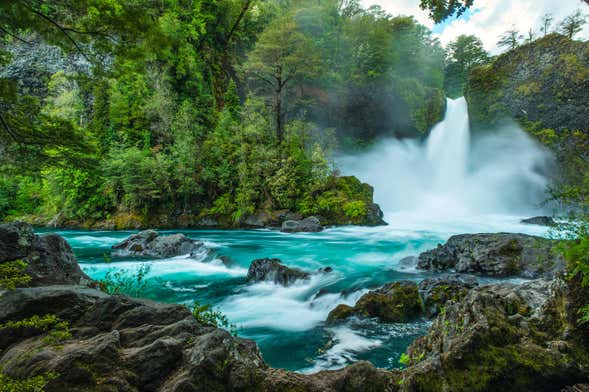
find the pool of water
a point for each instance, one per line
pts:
(288, 322)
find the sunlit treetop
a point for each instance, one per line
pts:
(440, 10)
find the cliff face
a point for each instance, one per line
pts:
(542, 85)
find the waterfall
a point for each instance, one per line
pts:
(447, 146)
(455, 174)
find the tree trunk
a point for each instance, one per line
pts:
(278, 105)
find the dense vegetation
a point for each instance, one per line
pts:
(187, 113)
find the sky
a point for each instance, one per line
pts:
(488, 19)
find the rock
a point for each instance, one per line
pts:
(501, 254)
(374, 216)
(325, 270)
(502, 337)
(539, 220)
(340, 312)
(49, 258)
(149, 243)
(408, 262)
(259, 220)
(273, 270)
(394, 302)
(310, 224)
(435, 292)
(528, 84)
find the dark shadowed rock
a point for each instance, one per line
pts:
(394, 302)
(272, 270)
(501, 254)
(49, 258)
(540, 221)
(310, 224)
(149, 243)
(503, 337)
(435, 292)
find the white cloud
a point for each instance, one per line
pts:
(490, 18)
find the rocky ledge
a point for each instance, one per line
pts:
(501, 255)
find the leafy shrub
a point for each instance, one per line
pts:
(207, 315)
(12, 274)
(355, 209)
(123, 281)
(31, 384)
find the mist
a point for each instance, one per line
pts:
(452, 175)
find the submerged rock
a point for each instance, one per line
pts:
(149, 243)
(502, 337)
(394, 302)
(272, 270)
(540, 221)
(310, 224)
(435, 292)
(49, 258)
(501, 254)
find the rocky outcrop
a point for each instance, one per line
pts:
(310, 224)
(543, 83)
(149, 243)
(49, 258)
(435, 292)
(392, 303)
(501, 254)
(272, 270)
(540, 221)
(502, 337)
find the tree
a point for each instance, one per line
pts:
(572, 24)
(439, 10)
(282, 56)
(463, 54)
(546, 23)
(531, 36)
(510, 39)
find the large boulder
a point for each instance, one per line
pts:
(49, 258)
(504, 337)
(122, 344)
(501, 254)
(310, 224)
(436, 291)
(272, 270)
(149, 243)
(392, 303)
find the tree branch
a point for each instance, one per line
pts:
(59, 27)
(15, 36)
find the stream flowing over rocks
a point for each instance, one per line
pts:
(483, 337)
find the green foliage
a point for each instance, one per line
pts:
(205, 314)
(12, 274)
(57, 329)
(31, 384)
(463, 55)
(440, 10)
(405, 359)
(123, 281)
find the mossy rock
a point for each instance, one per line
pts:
(396, 302)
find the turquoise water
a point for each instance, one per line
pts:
(288, 322)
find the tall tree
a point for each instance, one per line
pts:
(282, 56)
(463, 54)
(547, 20)
(510, 39)
(530, 36)
(572, 24)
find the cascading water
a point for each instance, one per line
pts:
(449, 177)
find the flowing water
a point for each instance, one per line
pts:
(429, 192)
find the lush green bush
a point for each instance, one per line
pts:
(12, 274)
(208, 316)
